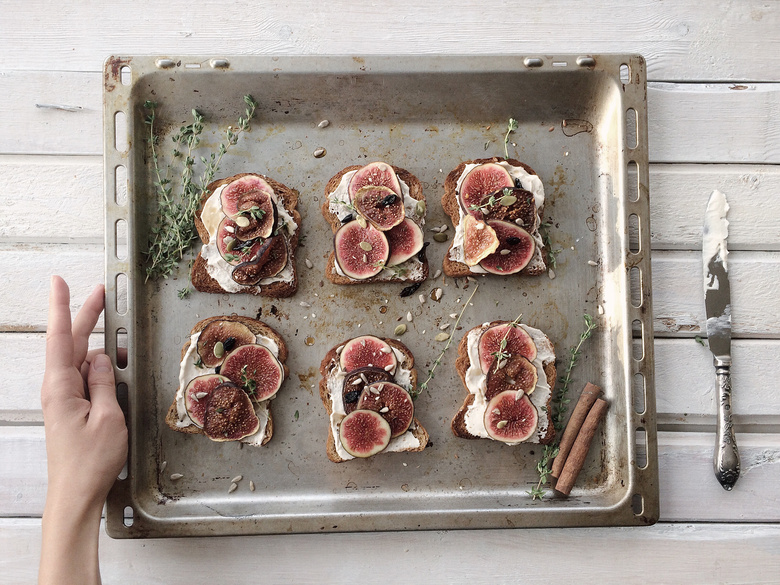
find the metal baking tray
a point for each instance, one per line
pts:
(582, 127)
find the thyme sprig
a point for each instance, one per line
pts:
(253, 211)
(559, 404)
(173, 230)
(505, 200)
(437, 361)
(544, 230)
(511, 126)
(249, 384)
(501, 354)
(396, 270)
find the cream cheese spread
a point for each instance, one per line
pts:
(528, 182)
(189, 370)
(216, 266)
(335, 384)
(715, 233)
(476, 382)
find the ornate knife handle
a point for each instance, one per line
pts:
(726, 460)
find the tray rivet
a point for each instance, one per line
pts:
(533, 62)
(219, 63)
(586, 61)
(165, 63)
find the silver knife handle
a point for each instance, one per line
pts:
(726, 454)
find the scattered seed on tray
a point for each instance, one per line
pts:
(305, 305)
(176, 476)
(309, 263)
(440, 237)
(444, 326)
(251, 486)
(237, 478)
(592, 263)
(163, 466)
(409, 316)
(400, 329)
(442, 337)
(319, 153)
(233, 487)
(323, 124)
(437, 274)
(422, 299)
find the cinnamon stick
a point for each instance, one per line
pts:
(587, 398)
(579, 450)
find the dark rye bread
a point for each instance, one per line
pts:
(201, 279)
(330, 363)
(256, 327)
(415, 192)
(462, 363)
(451, 205)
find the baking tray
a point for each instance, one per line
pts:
(425, 114)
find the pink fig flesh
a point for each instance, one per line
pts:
(510, 417)
(196, 396)
(377, 174)
(392, 402)
(230, 415)
(231, 334)
(257, 208)
(518, 342)
(360, 252)
(356, 380)
(367, 352)
(481, 181)
(364, 433)
(515, 249)
(231, 248)
(255, 369)
(380, 205)
(405, 240)
(232, 193)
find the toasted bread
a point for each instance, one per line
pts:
(330, 365)
(451, 206)
(204, 282)
(462, 364)
(256, 327)
(415, 192)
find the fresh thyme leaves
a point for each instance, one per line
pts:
(173, 230)
(437, 361)
(248, 383)
(501, 355)
(199, 363)
(396, 270)
(231, 257)
(559, 404)
(347, 205)
(505, 200)
(254, 211)
(544, 230)
(700, 341)
(184, 292)
(510, 127)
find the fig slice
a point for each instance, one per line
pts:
(196, 396)
(510, 417)
(232, 193)
(258, 209)
(367, 351)
(364, 433)
(380, 205)
(377, 174)
(231, 334)
(514, 373)
(356, 380)
(231, 248)
(255, 369)
(361, 252)
(515, 249)
(392, 402)
(229, 414)
(479, 240)
(522, 210)
(270, 259)
(405, 239)
(518, 342)
(481, 181)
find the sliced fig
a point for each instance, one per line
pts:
(231, 248)
(479, 240)
(229, 414)
(232, 193)
(406, 240)
(518, 342)
(230, 334)
(367, 351)
(196, 396)
(364, 433)
(380, 205)
(356, 380)
(513, 373)
(392, 402)
(482, 180)
(255, 369)
(510, 417)
(377, 174)
(269, 260)
(361, 252)
(515, 249)
(521, 211)
(256, 215)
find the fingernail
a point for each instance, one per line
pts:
(101, 363)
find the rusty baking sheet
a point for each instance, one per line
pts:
(582, 127)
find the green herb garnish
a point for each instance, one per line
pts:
(510, 127)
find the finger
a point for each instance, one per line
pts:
(59, 339)
(85, 322)
(101, 383)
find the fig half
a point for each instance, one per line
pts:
(392, 402)
(269, 260)
(479, 240)
(518, 342)
(255, 369)
(364, 433)
(481, 181)
(405, 239)
(376, 174)
(367, 351)
(380, 205)
(522, 211)
(515, 249)
(229, 414)
(361, 252)
(356, 380)
(513, 373)
(228, 334)
(232, 193)
(196, 396)
(510, 417)
(256, 215)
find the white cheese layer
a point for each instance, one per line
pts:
(715, 233)
(476, 382)
(188, 370)
(335, 384)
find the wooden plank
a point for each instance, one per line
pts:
(23, 469)
(687, 121)
(679, 42)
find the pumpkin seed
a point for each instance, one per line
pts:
(242, 221)
(507, 200)
(441, 237)
(400, 330)
(362, 221)
(366, 246)
(419, 209)
(442, 337)
(230, 243)
(384, 409)
(219, 349)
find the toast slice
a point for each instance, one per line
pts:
(417, 270)
(452, 208)
(330, 369)
(203, 280)
(545, 430)
(180, 422)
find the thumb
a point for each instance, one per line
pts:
(101, 382)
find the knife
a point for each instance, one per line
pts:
(717, 302)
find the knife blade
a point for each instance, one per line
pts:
(717, 302)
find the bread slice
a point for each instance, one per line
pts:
(256, 327)
(451, 206)
(462, 364)
(330, 365)
(203, 281)
(415, 192)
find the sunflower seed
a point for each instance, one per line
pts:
(443, 228)
(233, 487)
(592, 263)
(242, 221)
(440, 237)
(437, 294)
(400, 330)
(319, 153)
(230, 229)
(444, 326)
(237, 478)
(389, 367)
(409, 316)
(519, 221)
(363, 377)
(453, 315)
(495, 411)
(305, 305)
(384, 409)
(200, 395)
(219, 349)
(504, 252)
(356, 381)
(480, 225)
(422, 299)
(437, 274)
(366, 246)
(365, 259)
(163, 466)
(362, 221)
(502, 423)
(442, 337)
(551, 273)
(309, 263)
(176, 476)
(251, 486)
(339, 349)
(323, 124)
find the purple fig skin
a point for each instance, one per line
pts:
(230, 415)
(392, 402)
(231, 194)
(375, 173)
(517, 241)
(222, 331)
(364, 433)
(238, 253)
(196, 407)
(481, 181)
(510, 419)
(353, 260)
(516, 374)
(255, 369)
(518, 342)
(367, 351)
(271, 258)
(405, 240)
(257, 228)
(354, 384)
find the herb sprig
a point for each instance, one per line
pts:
(501, 354)
(511, 126)
(505, 200)
(544, 230)
(559, 404)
